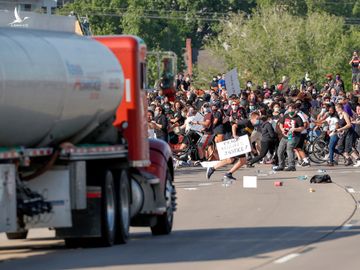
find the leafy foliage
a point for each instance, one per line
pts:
(274, 43)
(265, 39)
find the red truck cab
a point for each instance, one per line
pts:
(131, 53)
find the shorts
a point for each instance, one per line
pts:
(301, 142)
(355, 77)
(346, 142)
(205, 140)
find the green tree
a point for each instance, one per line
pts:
(298, 7)
(260, 49)
(326, 44)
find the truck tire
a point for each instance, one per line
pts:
(165, 221)
(123, 207)
(17, 235)
(108, 211)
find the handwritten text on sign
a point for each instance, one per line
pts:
(233, 147)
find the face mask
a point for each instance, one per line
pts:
(248, 84)
(276, 109)
(252, 107)
(230, 102)
(257, 122)
(206, 110)
(291, 114)
(156, 113)
(234, 107)
(323, 110)
(183, 114)
(166, 106)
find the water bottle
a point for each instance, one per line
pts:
(302, 177)
(261, 173)
(226, 183)
(321, 171)
(290, 136)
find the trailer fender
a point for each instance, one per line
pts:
(161, 160)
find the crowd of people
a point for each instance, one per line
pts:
(277, 119)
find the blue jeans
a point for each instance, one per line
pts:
(332, 144)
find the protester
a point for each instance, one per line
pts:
(291, 118)
(291, 127)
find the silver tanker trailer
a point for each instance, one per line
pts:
(63, 165)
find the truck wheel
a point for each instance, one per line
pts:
(123, 207)
(17, 235)
(108, 211)
(165, 221)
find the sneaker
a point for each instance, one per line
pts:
(209, 172)
(290, 169)
(197, 163)
(348, 162)
(305, 164)
(228, 176)
(357, 164)
(278, 168)
(330, 164)
(249, 165)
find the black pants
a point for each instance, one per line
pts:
(265, 147)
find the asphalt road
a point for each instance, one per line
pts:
(217, 227)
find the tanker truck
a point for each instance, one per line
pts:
(74, 153)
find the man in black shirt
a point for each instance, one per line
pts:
(291, 127)
(185, 84)
(160, 124)
(218, 127)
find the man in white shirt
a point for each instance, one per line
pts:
(299, 150)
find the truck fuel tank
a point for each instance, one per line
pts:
(54, 85)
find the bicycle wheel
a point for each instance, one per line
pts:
(320, 150)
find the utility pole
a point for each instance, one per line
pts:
(189, 56)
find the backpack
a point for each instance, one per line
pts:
(320, 178)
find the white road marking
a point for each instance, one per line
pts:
(191, 188)
(287, 258)
(205, 184)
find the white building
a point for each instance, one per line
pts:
(45, 6)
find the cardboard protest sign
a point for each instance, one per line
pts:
(232, 82)
(233, 147)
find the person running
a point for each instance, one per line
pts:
(268, 138)
(239, 160)
(346, 136)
